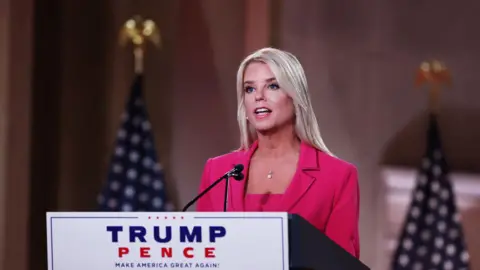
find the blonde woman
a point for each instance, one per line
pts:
(287, 165)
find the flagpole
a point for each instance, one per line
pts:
(432, 235)
(135, 179)
(139, 31)
(435, 75)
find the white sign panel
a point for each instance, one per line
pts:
(167, 240)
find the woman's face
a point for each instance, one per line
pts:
(267, 106)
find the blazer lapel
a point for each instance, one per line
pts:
(237, 187)
(304, 177)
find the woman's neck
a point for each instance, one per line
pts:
(278, 144)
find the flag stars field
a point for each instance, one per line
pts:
(432, 237)
(135, 179)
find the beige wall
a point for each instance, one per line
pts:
(359, 57)
(361, 60)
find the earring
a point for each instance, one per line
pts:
(246, 117)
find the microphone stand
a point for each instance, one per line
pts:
(225, 196)
(205, 191)
(236, 175)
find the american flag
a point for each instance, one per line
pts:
(135, 179)
(432, 236)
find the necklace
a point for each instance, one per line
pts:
(270, 174)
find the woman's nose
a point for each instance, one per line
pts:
(259, 95)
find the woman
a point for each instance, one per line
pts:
(287, 166)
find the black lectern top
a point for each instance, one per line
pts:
(310, 249)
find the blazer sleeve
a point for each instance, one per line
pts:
(342, 225)
(204, 204)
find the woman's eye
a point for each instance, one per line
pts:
(274, 86)
(249, 89)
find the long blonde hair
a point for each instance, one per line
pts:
(290, 75)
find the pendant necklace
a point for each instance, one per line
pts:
(270, 174)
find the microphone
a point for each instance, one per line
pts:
(236, 173)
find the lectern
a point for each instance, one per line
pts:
(190, 240)
(311, 249)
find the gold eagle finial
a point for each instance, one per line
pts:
(434, 74)
(138, 31)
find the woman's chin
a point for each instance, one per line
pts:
(271, 128)
(265, 129)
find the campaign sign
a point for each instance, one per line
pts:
(167, 240)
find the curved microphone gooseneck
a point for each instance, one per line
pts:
(236, 173)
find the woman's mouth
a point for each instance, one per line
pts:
(262, 112)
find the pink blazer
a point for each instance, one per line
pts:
(324, 191)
